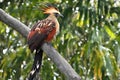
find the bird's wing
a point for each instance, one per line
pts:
(41, 31)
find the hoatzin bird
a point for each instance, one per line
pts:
(43, 31)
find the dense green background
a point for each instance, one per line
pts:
(89, 39)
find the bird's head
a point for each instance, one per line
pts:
(51, 10)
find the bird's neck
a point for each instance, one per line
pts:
(53, 18)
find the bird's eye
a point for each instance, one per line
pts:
(56, 14)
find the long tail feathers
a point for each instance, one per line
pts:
(36, 65)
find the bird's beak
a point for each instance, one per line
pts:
(61, 15)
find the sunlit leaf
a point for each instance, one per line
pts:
(110, 32)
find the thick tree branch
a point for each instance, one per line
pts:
(60, 62)
(14, 23)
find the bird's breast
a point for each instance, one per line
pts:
(51, 35)
(57, 27)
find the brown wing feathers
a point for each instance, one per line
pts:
(41, 31)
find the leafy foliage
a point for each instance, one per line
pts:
(89, 39)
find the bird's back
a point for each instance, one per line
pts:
(42, 31)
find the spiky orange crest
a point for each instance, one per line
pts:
(50, 9)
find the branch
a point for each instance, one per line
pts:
(59, 61)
